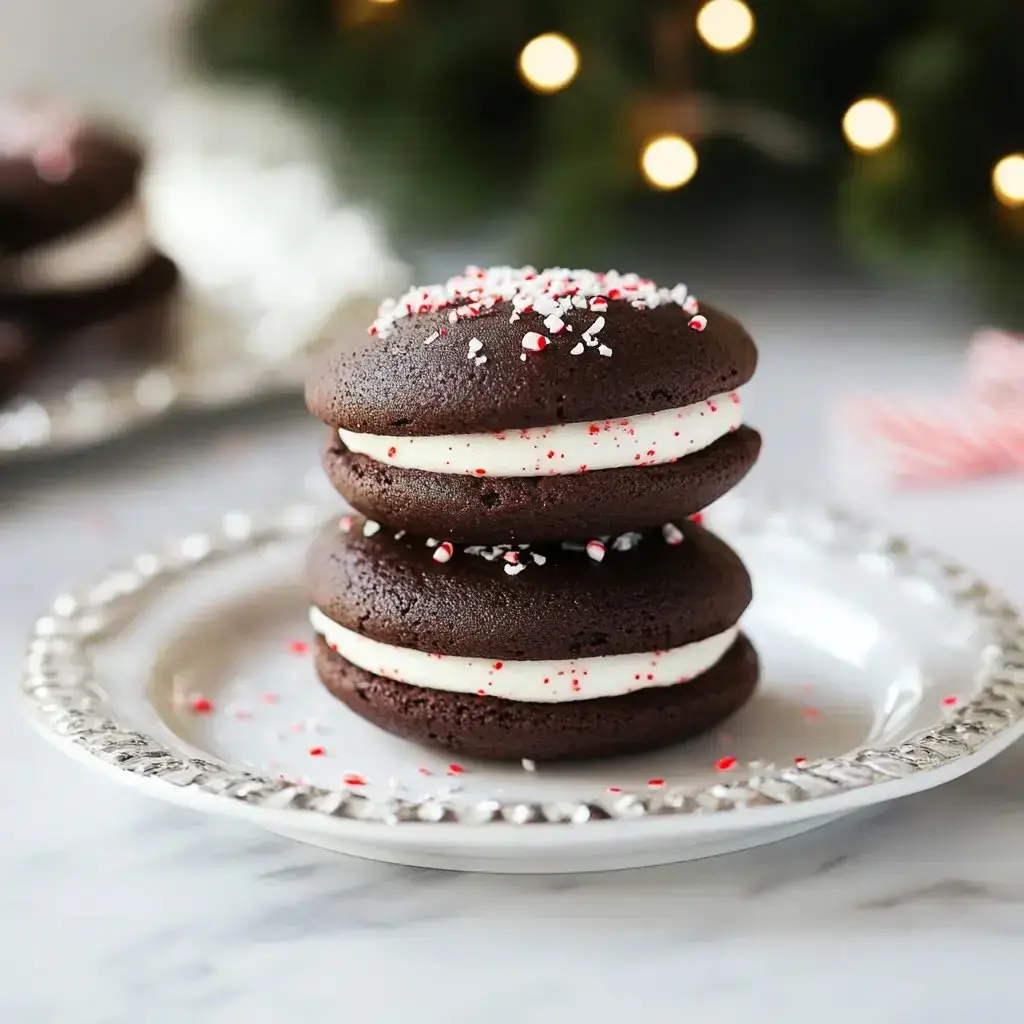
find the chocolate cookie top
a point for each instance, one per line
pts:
(58, 174)
(507, 348)
(637, 592)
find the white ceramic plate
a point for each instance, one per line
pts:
(887, 670)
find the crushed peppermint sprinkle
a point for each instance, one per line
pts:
(528, 765)
(604, 350)
(443, 552)
(317, 751)
(626, 541)
(595, 550)
(432, 542)
(698, 323)
(534, 342)
(345, 524)
(672, 534)
(799, 761)
(514, 570)
(433, 336)
(724, 764)
(353, 779)
(577, 349)
(949, 701)
(370, 528)
(202, 705)
(538, 559)
(548, 293)
(475, 344)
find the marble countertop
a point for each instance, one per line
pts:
(115, 908)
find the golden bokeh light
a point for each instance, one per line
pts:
(1008, 180)
(549, 62)
(668, 161)
(870, 124)
(725, 25)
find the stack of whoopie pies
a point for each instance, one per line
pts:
(528, 451)
(80, 282)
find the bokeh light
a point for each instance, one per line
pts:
(549, 62)
(870, 124)
(725, 25)
(1008, 180)
(668, 161)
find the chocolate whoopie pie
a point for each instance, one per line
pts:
(553, 651)
(77, 268)
(511, 405)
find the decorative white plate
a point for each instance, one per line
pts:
(887, 670)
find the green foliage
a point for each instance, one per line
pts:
(436, 126)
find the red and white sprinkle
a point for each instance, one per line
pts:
(595, 550)
(443, 552)
(577, 349)
(604, 350)
(370, 528)
(201, 705)
(528, 765)
(345, 524)
(547, 293)
(534, 342)
(672, 534)
(554, 323)
(698, 322)
(538, 559)
(514, 570)
(475, 344)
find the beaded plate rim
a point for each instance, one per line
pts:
(62, 697)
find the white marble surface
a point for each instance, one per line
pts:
(116, 909)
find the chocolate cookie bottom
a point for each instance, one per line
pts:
(506, 730)
(495, 510)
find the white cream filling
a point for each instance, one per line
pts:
(104, 252)
(549, 681)
(645, 440)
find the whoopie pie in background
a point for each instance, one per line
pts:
(80, 280)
